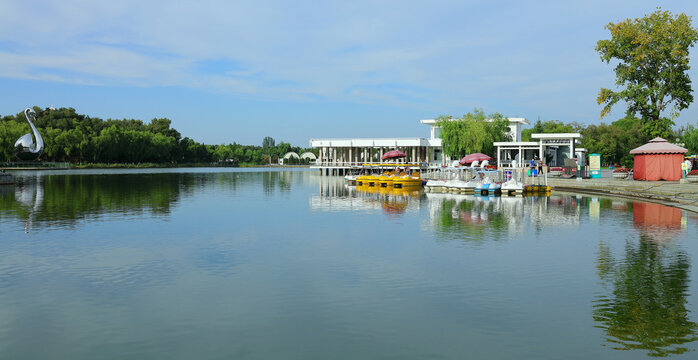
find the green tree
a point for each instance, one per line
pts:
(689, 137)
(283, 148)
(614, 141)
(472, 133)
(549, 126)
(222, 153)
(268, 142)
(162, 126)
(653, 63)
(10, 131)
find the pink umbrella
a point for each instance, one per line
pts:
(393, 154)
(474, 157)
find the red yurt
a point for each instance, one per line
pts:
(658, 160)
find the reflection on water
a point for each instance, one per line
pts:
(644, 305)
(658, 222)
(63, 200)
(469, 217)
(648, 288)
(287, 264)
(334, 195)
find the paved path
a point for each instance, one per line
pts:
(670, 192)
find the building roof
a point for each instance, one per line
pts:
(375, 142)
(658, 146)
(517, 143)
(557, 136)
(511, 120)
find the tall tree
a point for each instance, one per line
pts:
(268, 142)
(652, 52)
(472, 133)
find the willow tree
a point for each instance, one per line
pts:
(472, 133)
(652, 55)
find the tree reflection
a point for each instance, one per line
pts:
(52, 199)
(470, 217)
(647, 306)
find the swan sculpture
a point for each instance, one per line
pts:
(25, 149)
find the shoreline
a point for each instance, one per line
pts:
(671, 193)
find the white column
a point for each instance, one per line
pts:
(499, 158)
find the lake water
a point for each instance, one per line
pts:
(257, 264)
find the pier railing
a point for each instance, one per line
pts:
(357, 164)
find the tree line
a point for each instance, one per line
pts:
(77, 138)
(473, 132)
(614, 141)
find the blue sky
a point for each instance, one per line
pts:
(227, 71)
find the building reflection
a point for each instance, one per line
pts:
(468, 215)
(646, 289)
(658, 222)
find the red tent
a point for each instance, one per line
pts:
(393, 154)
(658, 160)
(474, 157)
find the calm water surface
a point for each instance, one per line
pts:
(252, 264)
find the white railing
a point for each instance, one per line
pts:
(361, 163)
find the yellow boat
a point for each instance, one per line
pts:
(386, 179)
(408, 181)
(371, 181)
(360, 180)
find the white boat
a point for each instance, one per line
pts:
(350, 178)
(435, 185)
(512, 186)
(487, 186)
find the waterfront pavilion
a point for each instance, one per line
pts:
(337, 155)
(552, 148)
(354, 152)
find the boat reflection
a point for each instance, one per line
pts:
(465, 215)
(336, 196)
(646, 288)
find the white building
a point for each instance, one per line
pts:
(339, 153)
(553, 149)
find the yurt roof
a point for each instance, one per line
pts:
(658, 146)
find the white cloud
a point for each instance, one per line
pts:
(433, 54)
